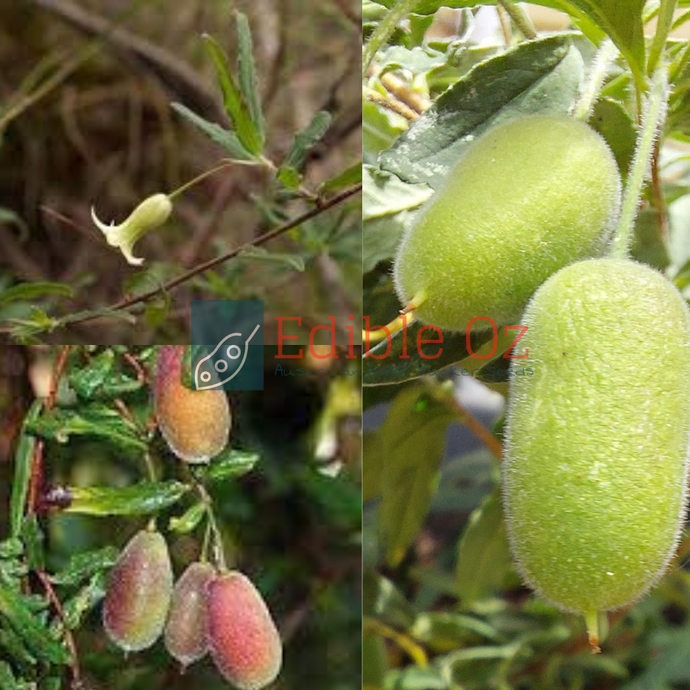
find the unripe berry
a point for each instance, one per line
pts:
(594, 480)
(526, 199)
(243, 638)
(196, 424)
(138, 595)
(187, 626)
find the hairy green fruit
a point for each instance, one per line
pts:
(186, 629)
(595, 473)
(526, 199)
(243, 638)
(196, 424)
(138, 594)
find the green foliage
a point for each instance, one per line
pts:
(105, 472)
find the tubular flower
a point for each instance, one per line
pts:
(149, 215)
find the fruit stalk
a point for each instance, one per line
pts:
(652, 121)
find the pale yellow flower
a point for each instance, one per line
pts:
(149, 215)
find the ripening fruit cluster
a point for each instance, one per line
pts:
(195, 424)
(596, 467)
(222, 614)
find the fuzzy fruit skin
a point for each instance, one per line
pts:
(526, 198)
(138, 595)
(243, 638)
(595, 474)
(195, 424)
(186, 629)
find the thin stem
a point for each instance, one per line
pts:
(384, 31)
(605, 56)
(651, 123)
(75, 667)
(666, 11)
(222, 166)
(520, 18)
(475, 426)
(125, 303)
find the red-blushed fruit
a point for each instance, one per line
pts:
(138, 594)
(186, 630)
(242, 636)
(196, 424)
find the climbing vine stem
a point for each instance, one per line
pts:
(652, 120)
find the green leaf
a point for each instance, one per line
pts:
(144, 498)
(34, 291)
(223, 137)
(413, 441)
(387, 200)
(230, 464)
(99, 380)
(233, 100)
(15, 647)
(405, 360)
(622, 21)
(306, 140)
(29, 628)
(93, 420)
(247, 75)
(77, 607)
(483, 554)
(386, 194)
(372, 451)
(82, 566)
(540, 76)
(7, 678)
(23, 461)
(189, 520)
(374, 661)
(614, 123)
(350, 176)
(33, 537)
(294, 261)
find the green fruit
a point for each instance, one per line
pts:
(526, 199)
(242, 636)
(186, 629)
(596, 465)
(196, 424)
(138, 594)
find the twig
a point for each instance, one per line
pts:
(36, 483)
(390, 103)
(125, 303)
(520, 18)
(75, 666)
(476, 427)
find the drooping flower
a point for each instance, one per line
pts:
(148, 215)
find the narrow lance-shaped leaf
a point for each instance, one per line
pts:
(23, 460)
(231, 464)
(233, 100)
(34, 291)
(29, 628)
(217, 134)
(304, 141)
(84, 565)
(347, 177)
(95, 420)
(247, 75)
(141, 499)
